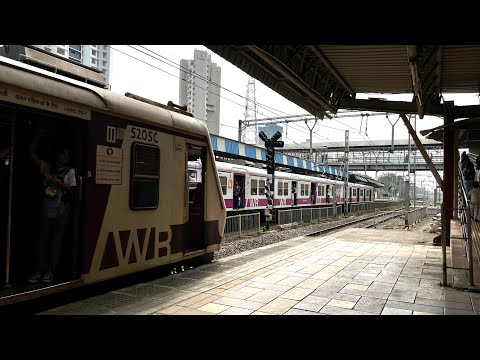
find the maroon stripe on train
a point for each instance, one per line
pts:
(141, 238)
(162, 252)
(151, 245)
(179, 232)
(109, 259)
(163, 240)
(211, 232)
(124, 236)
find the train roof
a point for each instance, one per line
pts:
(33, 79)
(223, 166)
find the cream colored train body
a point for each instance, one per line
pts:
(133, 207)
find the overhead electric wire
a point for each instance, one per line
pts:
(266, 107)
(179, 67)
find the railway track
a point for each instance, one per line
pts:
(371, 221)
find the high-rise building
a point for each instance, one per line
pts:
(96, 56)
(200, 89)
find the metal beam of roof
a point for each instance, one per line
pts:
(325, 78)
(290, 75)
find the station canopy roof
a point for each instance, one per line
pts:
(325, 78)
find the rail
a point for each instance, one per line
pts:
(470, 230)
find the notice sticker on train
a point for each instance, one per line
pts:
(109, 165)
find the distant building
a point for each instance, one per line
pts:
(200, 89)
(96, 56)
(269, 130)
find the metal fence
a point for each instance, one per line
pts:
(369, 206)
(306, 215)
(249, 224)
(242, 225)
(413, 216)
(433, 211)
(470, 230)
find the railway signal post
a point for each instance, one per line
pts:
(270, 144)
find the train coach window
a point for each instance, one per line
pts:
(223, 183)
(253, 187)
(145, 176)
(303, 189)
(261, 187)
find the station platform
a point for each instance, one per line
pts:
(351, 272)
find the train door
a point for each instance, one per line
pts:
(28, 236)
(239, 179)
(6, 128)
(294, 193)
(196, 204)
(313, 193)
(327, 193)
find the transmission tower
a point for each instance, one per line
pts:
(250, 135)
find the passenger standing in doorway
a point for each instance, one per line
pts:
(236, 195)
(474, 196)
(463, 160)
(468, 175)
(58, 183)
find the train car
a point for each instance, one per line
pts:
(291, 190)
(133, 207)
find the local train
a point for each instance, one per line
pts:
(132, 208)
(291, 190)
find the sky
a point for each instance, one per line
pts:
(155, 75)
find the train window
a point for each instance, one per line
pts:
(304, 189)
(144, 176)
(361, 192)
(223, 183)
(354, 192)
(261, 187)
(253, 187)
(280, 188)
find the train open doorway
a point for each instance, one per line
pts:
(239, 192)
(22, 199)
(196, 201)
